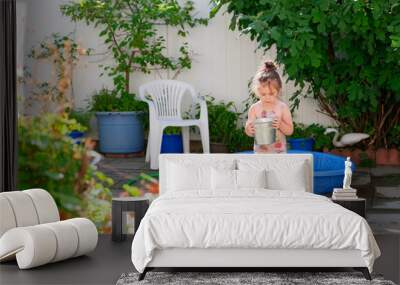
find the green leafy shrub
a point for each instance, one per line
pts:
(48, 159)
(172, 130)
(239, 141)
(345, 54)
(393, 139)
(315, 131)
(222, 119)
(82, 117)
(110, 101)
(224, 123)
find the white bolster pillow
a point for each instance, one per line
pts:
(40, 244)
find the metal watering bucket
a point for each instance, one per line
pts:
(265, 133)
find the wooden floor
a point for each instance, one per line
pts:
(103, 266)
(110, 259)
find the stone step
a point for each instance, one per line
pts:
(388, 191)
(360, 178)
(384, 222)
(386, 204)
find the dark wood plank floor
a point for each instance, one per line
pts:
(111, 259)
(103, 266)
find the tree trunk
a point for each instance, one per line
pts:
(127, 77)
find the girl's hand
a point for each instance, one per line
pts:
(250, 129)
(276, 123)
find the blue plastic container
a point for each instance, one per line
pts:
(120, 132)
(172, 143)
(301, 144)
(76, 136)
(328, 170)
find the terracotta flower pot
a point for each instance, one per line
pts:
(371, 152)
(382, 156)
(218, 148)
(394, 156)
(341, 152)
(359, 155)
(356, 155)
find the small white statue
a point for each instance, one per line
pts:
(347, 174)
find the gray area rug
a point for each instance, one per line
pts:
(232, 278)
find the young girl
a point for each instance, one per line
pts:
(267, 86)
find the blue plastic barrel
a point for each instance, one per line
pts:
(172, 143)
(301, 144)
(120, 132)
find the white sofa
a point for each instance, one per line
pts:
(31, 231)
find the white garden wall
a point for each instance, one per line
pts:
(223, 63)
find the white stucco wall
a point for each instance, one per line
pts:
(224, 61)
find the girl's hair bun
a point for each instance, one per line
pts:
(269, 66)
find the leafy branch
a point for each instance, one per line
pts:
(130, 29)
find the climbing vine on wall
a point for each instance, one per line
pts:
(62, 53)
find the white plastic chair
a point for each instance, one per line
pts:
(164, 98)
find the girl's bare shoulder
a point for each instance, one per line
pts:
(255, 106)
(283, 105)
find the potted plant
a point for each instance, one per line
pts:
(301, 138)
(172, 140)
(390, 155)
(226, 127)
(222, 121)
(83, 120)
(119, 119)
(130, 30)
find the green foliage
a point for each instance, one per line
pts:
(315, 131)
(172, 130)
(110, 101)
(146, 184)
(63, 53)
(64, 45)
(365, 161)
(82, 118)
(239, 141)
(224, 125)
(345, 54)
(48, 159)
(394, 137)
(222, 119)
(129, 29)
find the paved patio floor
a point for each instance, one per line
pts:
(121, 170)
